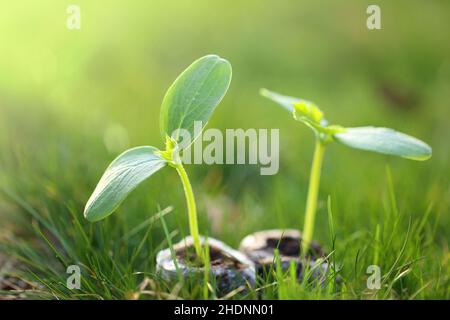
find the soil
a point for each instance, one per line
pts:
(290, 247)
(260, 247)
(217, 258)
(231, 269)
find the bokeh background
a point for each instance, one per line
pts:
(71, 100)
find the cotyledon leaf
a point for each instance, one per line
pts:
(286, 102)
(194, 95)
(385, 140)
(298, 107)
(122, 176)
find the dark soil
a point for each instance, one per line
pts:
(217, 258)
(290, 247)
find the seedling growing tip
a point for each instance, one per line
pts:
(192, 97)
(382, 140)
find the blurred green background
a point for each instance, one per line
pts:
(71, 100)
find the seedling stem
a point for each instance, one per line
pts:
(313, 191)
(192, 208)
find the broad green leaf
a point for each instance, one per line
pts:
(385, 140)
(194, 95)
(123, 175)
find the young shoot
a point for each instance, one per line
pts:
(382, 140)
(192, 97)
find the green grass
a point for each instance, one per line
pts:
(62, 92)
(116, 260)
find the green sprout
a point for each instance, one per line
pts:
(381, 140)
(192, 97)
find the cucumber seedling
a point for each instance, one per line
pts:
(382, 140)
(192, 97)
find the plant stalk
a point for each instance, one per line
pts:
(313, 191)
(192, 209)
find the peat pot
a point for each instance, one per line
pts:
(259, 247)
(230, 268)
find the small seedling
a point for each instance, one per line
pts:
(192, 97)
(382, 140)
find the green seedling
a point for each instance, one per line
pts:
(382, 140)
(192, 97)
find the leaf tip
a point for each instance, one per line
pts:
(88, 213)
(424, 156)
(220, 60)
(264, 92)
